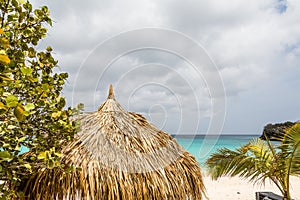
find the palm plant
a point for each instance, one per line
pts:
(261, 160)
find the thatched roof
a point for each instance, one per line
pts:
(121, 156)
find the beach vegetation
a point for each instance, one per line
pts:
(33, 116)
(260, 160)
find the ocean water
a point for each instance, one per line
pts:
(202, 146)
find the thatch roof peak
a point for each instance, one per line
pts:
(111, 105)
(111, 92)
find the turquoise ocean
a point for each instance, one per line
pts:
(202, 146)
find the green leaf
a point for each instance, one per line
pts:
(11, 101)
(31, 52)
(26, 70)
(56, 114)
(6, 94)
(62, 102)
(29, 107)
(21, 1)
(49, 48)
(4, 59)
(10, 127)
(58, 154)
(32, 158)
(28, 166)
(15, 3)
(45, 87)
(2, 52)
(42, 155)
(5, 77)
(5, 156)
(5, 145)
(32, 79)
(21, 139)
(17, 148)
(2, 106)
(19, 112)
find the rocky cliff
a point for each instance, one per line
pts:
(275, 131)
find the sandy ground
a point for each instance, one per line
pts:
(235, 188)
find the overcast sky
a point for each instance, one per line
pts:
(188, 66)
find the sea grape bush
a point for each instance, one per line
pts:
(32, 110)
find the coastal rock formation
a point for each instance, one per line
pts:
(275, 131)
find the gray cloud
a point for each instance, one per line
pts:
(254, 44)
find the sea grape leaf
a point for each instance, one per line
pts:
(29, 107)
(42, 155)
(11, 101)
(19, 112)
(4, 59)
(26, 70)
(5, 156)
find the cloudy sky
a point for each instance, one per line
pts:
(188, 66)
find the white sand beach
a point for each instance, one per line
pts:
(235, 188)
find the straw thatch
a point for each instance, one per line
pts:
(121, 156)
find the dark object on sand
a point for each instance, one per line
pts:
(267, 196)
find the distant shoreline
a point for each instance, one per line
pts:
(216, 135)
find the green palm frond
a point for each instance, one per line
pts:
(291, 149)
(259, 160)
(249, 161)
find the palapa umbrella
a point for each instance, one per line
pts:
(121, 156)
